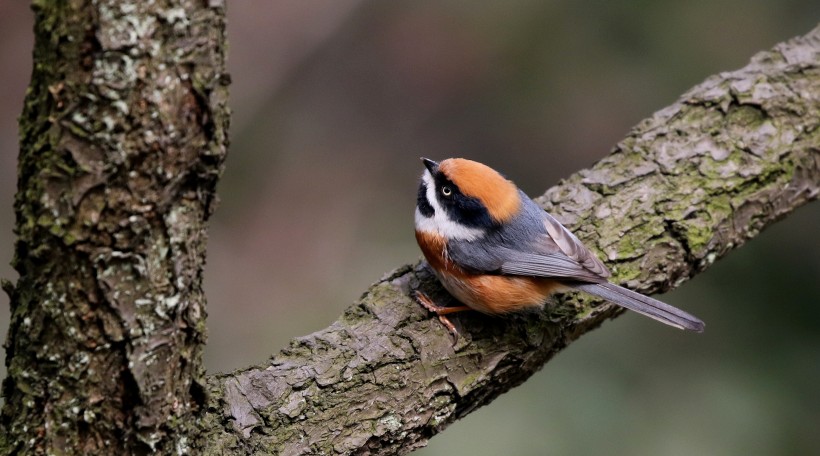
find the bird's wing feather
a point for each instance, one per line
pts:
(543, 256)
(548, 251)
(555, 252)
(556, 265)
(573, 248)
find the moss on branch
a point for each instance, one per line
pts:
(687, 185)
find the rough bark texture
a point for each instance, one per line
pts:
(122, 141)
(687, 185)
(123, 137)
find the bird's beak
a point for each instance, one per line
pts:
(430, 165)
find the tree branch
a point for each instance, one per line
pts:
(686, 186)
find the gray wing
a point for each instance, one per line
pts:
(537, 246)
(547, 265)
(572, 247)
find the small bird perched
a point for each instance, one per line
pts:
(495, 250)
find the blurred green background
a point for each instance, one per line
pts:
(335, 100)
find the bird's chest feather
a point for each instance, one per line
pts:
(434, 248)
(487, 293)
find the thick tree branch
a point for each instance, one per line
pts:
(687, 185)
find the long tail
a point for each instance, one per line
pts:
(652, 308)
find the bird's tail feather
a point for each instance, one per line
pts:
(645, 305)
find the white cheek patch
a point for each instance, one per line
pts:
(440, 223)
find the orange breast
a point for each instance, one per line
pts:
(487, 293)
(434, 249)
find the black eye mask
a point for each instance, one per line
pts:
(421, 202)
(462, 209)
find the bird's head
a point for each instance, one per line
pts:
(461, 199)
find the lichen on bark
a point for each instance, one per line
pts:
(685, 187)
(123, 137)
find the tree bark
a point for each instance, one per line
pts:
(123, 136)
(686, 186)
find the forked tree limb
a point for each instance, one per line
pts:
(687, 185)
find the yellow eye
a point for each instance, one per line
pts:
(446, 191)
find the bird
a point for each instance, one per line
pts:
(496, 251)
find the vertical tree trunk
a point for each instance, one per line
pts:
(123, 137)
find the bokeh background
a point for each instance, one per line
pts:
(335, 100)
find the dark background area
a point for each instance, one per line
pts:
(335, 100)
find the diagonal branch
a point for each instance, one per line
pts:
(686, 186)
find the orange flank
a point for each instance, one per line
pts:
(499, 294)
(486, 293)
